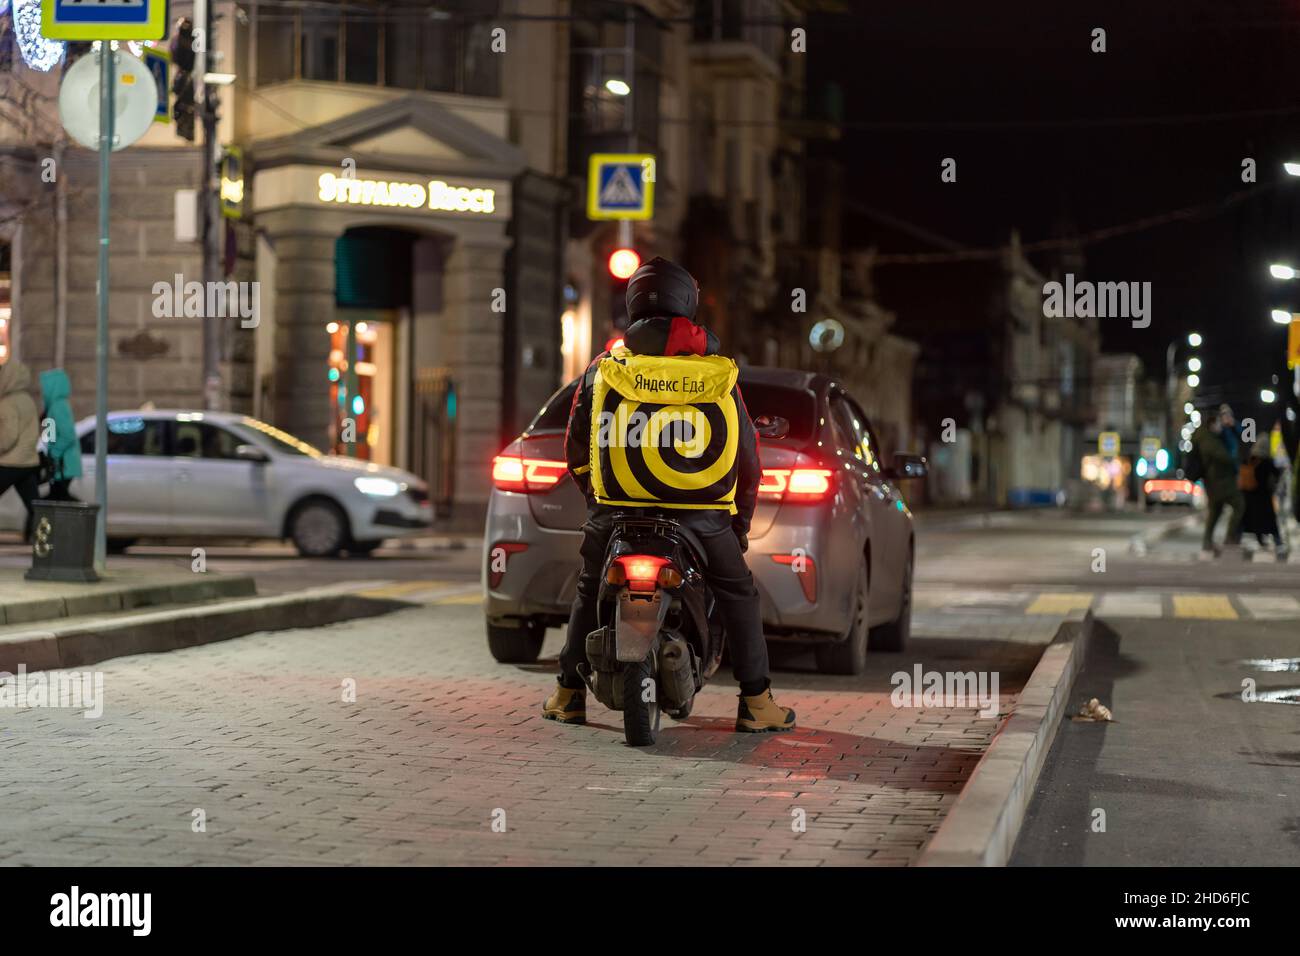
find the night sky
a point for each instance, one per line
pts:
(1045, 131)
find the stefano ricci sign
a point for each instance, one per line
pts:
(434, 194)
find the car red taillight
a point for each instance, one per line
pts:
(643, 572)
(526, 475)
(805, 568)
(1146, 489)
(795, 484)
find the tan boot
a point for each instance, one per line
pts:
(760, 714)
(565, 705)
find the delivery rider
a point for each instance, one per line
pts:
(705, 474)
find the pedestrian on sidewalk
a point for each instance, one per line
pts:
(1219, 470)
(62, 445)
(19, 431)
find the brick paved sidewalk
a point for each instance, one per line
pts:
(254, 733)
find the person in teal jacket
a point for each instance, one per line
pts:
(63, 446)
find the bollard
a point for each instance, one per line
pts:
(63, 541)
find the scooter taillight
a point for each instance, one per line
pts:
(643, 572)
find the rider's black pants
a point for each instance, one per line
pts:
(729, 580)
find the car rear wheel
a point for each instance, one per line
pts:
(892, 637)
(516, 645)
(319, 529)
(850, 655)
(363, 549)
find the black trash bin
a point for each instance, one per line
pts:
(63, 541)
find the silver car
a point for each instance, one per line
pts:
(830, 547)
(218, 474)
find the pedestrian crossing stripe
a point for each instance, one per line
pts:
(1135, 604)
(1060, 603)
(1265, 607)
(1204, 606)
(956, 601)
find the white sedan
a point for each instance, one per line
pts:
(218, 474)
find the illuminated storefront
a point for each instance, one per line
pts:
(392, 289)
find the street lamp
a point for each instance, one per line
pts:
(1193, 380)
(1194, 339)
(1292, 169)
(1267, 396)
(1194, 364)
(1280, 271)
(1281, 316)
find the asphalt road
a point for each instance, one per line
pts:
(1188, 773)
(1093, 551)
(1002, 550)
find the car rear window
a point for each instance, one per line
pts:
(554, 415)
(795, 405)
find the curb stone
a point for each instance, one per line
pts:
(118, 595)
(982, 827)
(1143, 541)
(74, 643)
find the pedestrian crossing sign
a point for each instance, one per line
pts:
(620, 186)
(104, 19)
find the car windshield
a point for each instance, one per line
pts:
(281, 441)
(795, 405)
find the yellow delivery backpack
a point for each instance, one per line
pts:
(664, 431)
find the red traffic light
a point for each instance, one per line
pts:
(623, 262)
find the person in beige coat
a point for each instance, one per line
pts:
(19, 433)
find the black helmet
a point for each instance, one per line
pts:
(661, 287)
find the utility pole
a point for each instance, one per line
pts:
(107, 113)
(209, 214)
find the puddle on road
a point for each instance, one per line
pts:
(1287, 695)
(1278, 695)
(1272, 665)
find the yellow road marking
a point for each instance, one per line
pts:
(406, 587)
(1060, 603)
(475, 598)
(1216, 606)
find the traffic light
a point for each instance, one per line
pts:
(622, 263)
(182, 51)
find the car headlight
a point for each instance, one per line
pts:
(378, 487)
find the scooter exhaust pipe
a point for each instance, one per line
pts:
(676, 672)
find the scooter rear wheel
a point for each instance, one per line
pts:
(640, 716)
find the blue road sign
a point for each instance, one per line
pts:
(159, 63)
(104, 19)
(620, 186)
